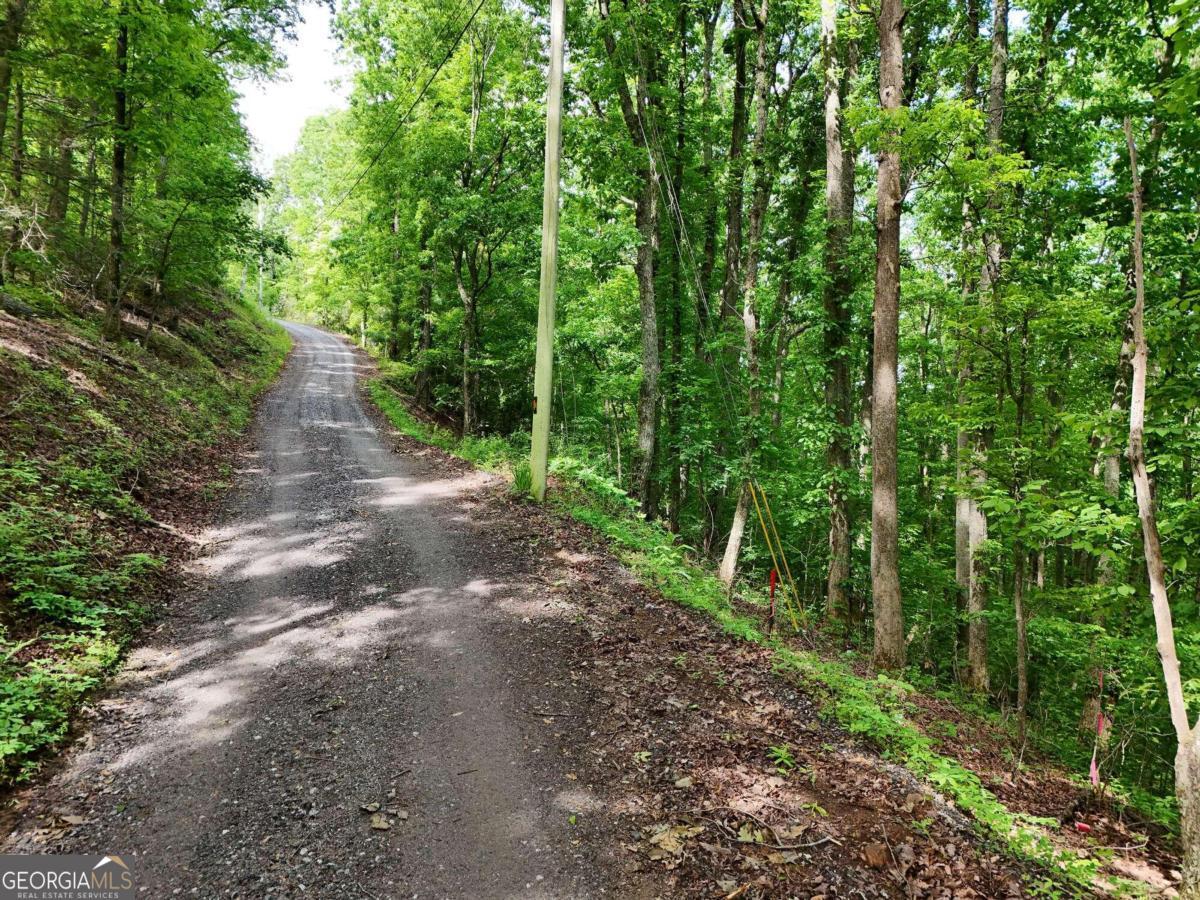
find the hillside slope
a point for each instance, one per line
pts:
(106, 448)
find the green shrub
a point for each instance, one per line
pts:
(522, 483)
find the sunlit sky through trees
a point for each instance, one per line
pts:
(315, 81)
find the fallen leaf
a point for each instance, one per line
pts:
(380, 823)
(877, 856)
(749, 835)
(670, 838)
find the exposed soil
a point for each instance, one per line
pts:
(388, 678)
(1137, 850)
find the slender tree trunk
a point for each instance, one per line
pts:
(764, 74)
(422, 390)
(89, 192)
(710, 496)
(785, 333)
(977, 533)
(839, 208)
(646, 216)
(1108, 463)
(885, 563)
(646, 219)
(1022, 393)
(736, 167)
(10, 39)
(708, 263)
(116, 234)
(64, 171)
(18, 180)
(468, 299)
(1019, 563)
(674, 395)
(393, 339)
(964, 505)
(735, 175)
(737, 529)
(1187, 757)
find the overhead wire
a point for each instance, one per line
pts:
(401, 120)
(653, 142)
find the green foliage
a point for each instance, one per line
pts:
(782, 756)
(186, 182)
(74, 456)
(522, 483)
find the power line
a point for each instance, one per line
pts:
(404, 118)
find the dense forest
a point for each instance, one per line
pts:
(128, 170)
(880, 262)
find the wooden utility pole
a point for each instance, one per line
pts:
(543, 373)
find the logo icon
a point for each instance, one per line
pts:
(65, 877)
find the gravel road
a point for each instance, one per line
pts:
(350, 701)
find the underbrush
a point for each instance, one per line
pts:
(874, 710)
(94, 434)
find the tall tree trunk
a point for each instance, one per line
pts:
(675, 392)
(646, 216)
(1187, 757)
(708, 263)
(785, 332)
(839, 208)
(763, 76)
(735, 175)
(393, 339)
(1108, 462)
(64, 170)
(89, 192)
(710, 496)
(116, 233)
(422, 390)
(1022, 393)
(10, 39)
(469, 329)
(736, 166)
(18, 179)
(977, 532)
(964, 504)
(1020, 557)
(646, 219)
(885, 563)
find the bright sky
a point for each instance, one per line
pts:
(315, 81)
